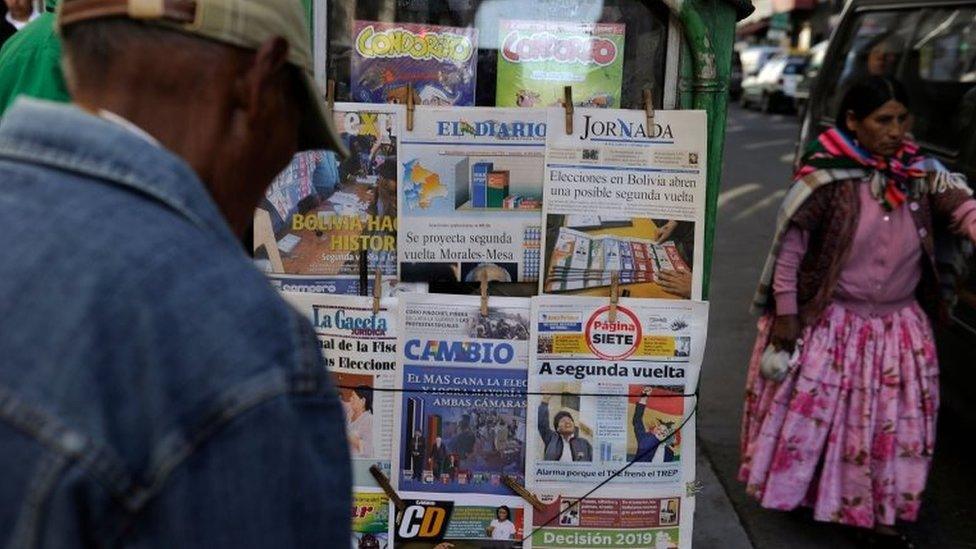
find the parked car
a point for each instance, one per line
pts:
(735, 77)
(754, 57)
(816, 54)
(931, 48)
(774, 88)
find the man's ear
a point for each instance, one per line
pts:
(257, 83)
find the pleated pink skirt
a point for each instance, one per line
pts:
(850, 432)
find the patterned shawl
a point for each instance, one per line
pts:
(835, 157)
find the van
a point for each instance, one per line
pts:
(931, 48)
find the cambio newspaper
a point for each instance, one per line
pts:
(621, 197)
(471, 195)
(646, 360)
(460, 420)
(360, 351)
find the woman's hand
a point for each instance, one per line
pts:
(785, 332)
(664, 231)
(676, 283)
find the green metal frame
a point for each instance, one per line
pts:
(703, 83)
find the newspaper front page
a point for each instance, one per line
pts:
(326, 223)
(360, 351)
(663, 522)
(471, 195)
(370, 520)
(622, 197)
(460, 522)
(461, 414)
(603, 394)
(460, 418)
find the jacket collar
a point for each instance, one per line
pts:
(66, 138)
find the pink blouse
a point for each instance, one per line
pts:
(884, 266)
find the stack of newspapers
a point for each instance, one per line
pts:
(580, 260)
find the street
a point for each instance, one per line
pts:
(758, 160)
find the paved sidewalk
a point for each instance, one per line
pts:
(716, 522)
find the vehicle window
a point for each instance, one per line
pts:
(932, 52)
(940, 74)
(794, 67)
(643, 25)
(875, 47)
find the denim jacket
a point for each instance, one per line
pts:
(154, 390)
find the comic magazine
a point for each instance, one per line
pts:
(440, 62)
(537, 59)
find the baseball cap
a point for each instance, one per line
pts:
(243, 23)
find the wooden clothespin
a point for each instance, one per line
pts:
(568, 104)
(410, 107)
(523, 493)
(614, 295)
(330, 94)
(387, 487)
(377, 290)
(649, 110)
(484, 293)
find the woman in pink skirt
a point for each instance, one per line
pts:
(850, 284)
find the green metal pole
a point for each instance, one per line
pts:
(709, 27)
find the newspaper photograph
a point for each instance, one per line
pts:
(471, 195)
(613, 523)
(360, 352)
(621, 197)
(326, 224)
(604, 394)
(460, 418)
(460, 522)
(370, 520)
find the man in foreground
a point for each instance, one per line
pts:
(154, 390)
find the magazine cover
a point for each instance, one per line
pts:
(440, 62)
(324, 220)
(536, 59)
(460, 522)
(370, 520)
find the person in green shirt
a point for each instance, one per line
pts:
(30, 63)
